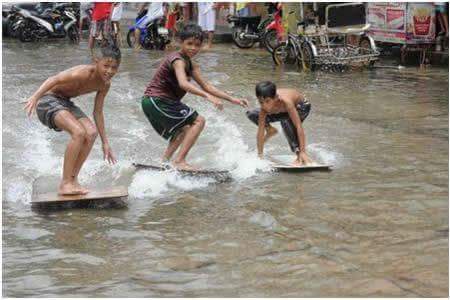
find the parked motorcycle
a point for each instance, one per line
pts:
(273, 32)
(58, 22)
(248, 30)
(153, 36)
(10, 20)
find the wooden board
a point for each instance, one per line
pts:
(219, 175)
(94, 194)
(316, 167)
(197, 172)
(280, 163)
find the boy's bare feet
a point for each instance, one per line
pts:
(69, 188)
(297, 163)
(184, 166)
(302, 160)
(83, 190)
(270, 132)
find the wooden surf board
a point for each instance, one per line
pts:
(281, 164)
(94, 194)
(222, 175)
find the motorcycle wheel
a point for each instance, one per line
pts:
(308, 58)
(284, 54)
(131, 40)
(270, 40)
(26, 34)
(241, 43)
(160, 43)
(72, 33)
(9, 29)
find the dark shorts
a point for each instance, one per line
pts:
(49, 104)
(100, 26)
(167, 116)
(289, 130)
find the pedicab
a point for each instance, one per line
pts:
(331, 46)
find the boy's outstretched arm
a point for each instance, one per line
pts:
(209, 88)
(179, 67)
(100, 123)
(50, 83)
(260, 133)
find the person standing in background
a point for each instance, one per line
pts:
(84, 14)
(441, 12)
(187, 11)
(101, 19)
(171, 20)
(207, 19)
(115, 22)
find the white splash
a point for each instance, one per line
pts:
(232, 153)
(148, 183)
(324, 155)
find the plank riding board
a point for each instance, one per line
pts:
(281, 164)
(103, 195)
(219, 175)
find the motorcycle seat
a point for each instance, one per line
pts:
(254, 19)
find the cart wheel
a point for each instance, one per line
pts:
(364, 46)
(307, 57)
(284, 54)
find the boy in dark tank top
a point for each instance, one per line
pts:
(172, 119)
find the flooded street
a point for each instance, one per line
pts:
(376, 226)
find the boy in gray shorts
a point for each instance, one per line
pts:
(56, 110)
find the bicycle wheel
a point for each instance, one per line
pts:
(307, 57)
(284, 54)
(131, 40)
(270, 40)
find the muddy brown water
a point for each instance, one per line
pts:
(376, 226)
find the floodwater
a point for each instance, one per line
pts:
(376, 226)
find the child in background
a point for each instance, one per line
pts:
(115, 22)
(172, 15)
(100, 25)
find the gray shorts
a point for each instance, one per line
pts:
(49, 104)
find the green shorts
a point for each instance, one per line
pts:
(167, 116)
(50, 104)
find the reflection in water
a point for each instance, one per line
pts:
(376, 226)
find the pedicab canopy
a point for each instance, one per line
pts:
(402, 22)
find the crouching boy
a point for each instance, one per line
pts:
(286, 106)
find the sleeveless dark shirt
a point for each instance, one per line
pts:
(164, 83)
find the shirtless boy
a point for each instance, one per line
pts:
(287, 106)
(56, 110)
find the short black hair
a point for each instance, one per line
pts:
(266, 89)
(110, 50)
(191, 30)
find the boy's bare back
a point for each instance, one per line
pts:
(285, 97)
(78, 81)
(290, 96)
